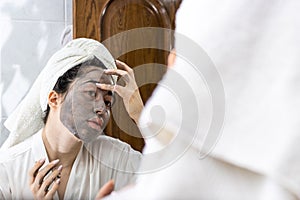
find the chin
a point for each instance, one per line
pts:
(89, 139)
(88, 135)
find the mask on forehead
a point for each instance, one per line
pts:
(85, 110)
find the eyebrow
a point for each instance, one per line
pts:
(92, 81)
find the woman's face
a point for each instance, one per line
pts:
(85, 110)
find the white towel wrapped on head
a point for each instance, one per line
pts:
(27, 117)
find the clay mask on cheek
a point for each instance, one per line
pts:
(66, 114)
(73, 112)
(78, 109)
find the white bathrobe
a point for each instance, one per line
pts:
(96, 163)
(102, 160)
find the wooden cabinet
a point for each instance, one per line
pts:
(103, 20)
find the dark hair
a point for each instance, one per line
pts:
(63, 82)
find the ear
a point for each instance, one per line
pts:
(53, 99)
(171, 58)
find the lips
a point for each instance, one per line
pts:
(96, 123)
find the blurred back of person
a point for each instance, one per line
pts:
(254, 46)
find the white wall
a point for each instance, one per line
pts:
(30, 33)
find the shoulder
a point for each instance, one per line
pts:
(12, 163)
(14, 152)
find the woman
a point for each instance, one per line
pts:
(68, 157)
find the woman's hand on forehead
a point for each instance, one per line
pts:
(129, 92)
(125, 74)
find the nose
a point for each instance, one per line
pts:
(100, 107)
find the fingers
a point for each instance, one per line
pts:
(105, 190)
(42, 173)
(43, 182)
(106, 87)
(117, 72)
(34, 170)
(53, 181)
(114, 88)
(53, 189)
(41, 179)
(51, 178)
(123, 70)
(124, 66)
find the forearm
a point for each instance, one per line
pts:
(135, 106)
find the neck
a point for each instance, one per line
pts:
(60, 144)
